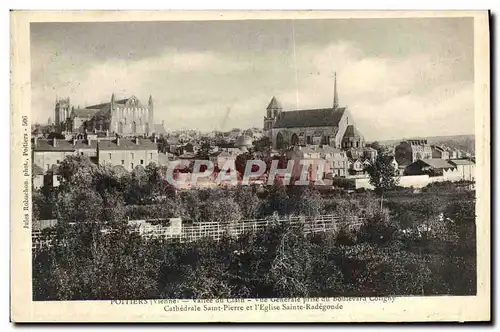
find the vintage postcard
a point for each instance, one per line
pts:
(258, 166)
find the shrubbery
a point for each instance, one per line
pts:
(417, 244)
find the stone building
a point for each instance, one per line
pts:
(47, 154)
(129, 153)
(126, 117)
(409, 151)
(332, 126)
(335, 160)
(440, 152)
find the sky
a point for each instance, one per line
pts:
(398, 77)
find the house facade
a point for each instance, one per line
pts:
(409, 151)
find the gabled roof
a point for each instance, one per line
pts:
(120, 102)
(37, 170)
(352, 131)
(323, 117)
(274, 104)
(83, 112)
(128, 144)
(48, 145)
(98, 106)
(437, 163)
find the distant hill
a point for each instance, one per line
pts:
(463, 142)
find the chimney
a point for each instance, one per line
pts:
(117, 141)
(107, 132)
(136, 140)
(73, 141)
(154, 139)
(35, 141)
(89, 141)
(54, 142)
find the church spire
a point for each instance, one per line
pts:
(335, 95)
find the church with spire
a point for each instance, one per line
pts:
(333, 126)
(124, 117)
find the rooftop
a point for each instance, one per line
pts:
(352, 131)
(128, 144)
(461, 162)
(437, 163)
(274, 104)
(324, 117)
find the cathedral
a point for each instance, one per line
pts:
(125, 117)
(332, 126)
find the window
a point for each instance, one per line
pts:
(123, 162)
(150, 156)
(131, 165)
(81, 153)
(142, 161)
(48, 167)
(58, 161)
(109, 155)
(132, 155)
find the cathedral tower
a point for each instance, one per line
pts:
(151, 119)
(61, 113)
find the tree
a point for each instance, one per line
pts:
(383, 175)
(262, 145)
(305, 201)
(277, 200)
(77, 171)
(248, 201)
(204, 151)
(223, 210)
(376, 145)
(241, 161)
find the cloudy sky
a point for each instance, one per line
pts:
(399, 77)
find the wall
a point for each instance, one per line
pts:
(415, 181)
(127, 158)
(335, 135)
(38, 181)
(467, 172)
(44, 158)
(127, 116)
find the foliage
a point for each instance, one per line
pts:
(421, 244)
(223, 210)
(383, 175)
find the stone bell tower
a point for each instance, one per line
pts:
(274, 109)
